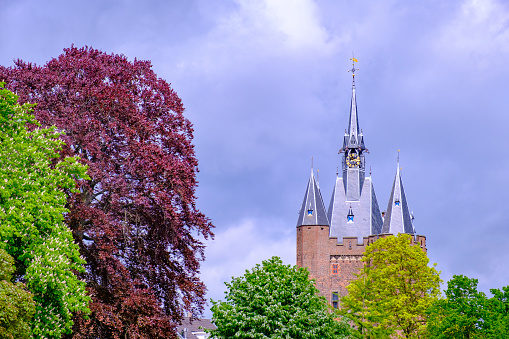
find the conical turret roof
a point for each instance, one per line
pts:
(313, 211)
(398, 218)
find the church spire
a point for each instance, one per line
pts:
(353, 136)
(398, 218)
(313, 211)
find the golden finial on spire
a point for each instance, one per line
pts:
(353, 65)
(353, 70)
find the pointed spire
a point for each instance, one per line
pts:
(353, 136)
(313, 211)
(398, 218)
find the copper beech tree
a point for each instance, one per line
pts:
(135, 220)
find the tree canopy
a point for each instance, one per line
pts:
(274, 301)
(466, 312)
(392, 292)
(33, 178)
(135, 219)
(16, 304)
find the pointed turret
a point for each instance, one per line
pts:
(312, 211)
(398, 218)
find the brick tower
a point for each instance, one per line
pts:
(331, 244)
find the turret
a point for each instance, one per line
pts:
(313, 231)
(398, 218)
(312, 212)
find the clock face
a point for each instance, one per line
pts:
(353, 160)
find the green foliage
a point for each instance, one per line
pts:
(33, 181)
(468, 313)
(496, 319)
(274, 301)
(390, 296)
(460, 314)
(16, 304)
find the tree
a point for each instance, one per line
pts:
(496, 319)
(274, 301)
(390, 296)
(16, 304)
(468, 313)
(135, 219)
(32, 206)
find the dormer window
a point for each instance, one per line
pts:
(396, 202)
(349, 217)
(310, 212)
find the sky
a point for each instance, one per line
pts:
(265, 84)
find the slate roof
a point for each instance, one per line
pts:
(398, 218)
(367, 216)
(194, 326)
(312, 211)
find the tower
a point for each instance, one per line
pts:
(331, 244)
(353, 209)
(313, 231)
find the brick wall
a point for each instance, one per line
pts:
(333, 265)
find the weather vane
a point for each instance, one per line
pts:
(353, 65)
(353, 69)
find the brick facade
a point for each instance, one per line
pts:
(321, 253)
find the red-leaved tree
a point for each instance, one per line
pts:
(136, 220)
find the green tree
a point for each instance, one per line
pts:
(33, 181)
(459, 315)
(274, 301)
(468, 313)
(394, 289)
(496, 321)
(16, 304)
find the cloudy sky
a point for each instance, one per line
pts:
(265, 83)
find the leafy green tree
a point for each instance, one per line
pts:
(468, 313)
(496, 319)
(459, 315)
(16, 304)
(33, 179)
(394, 289)
(274, 301)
